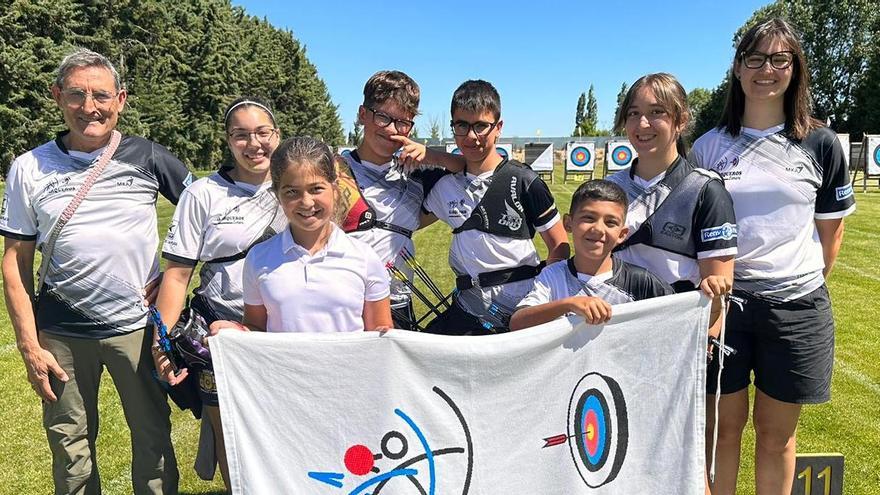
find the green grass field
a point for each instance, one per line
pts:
(848, 424)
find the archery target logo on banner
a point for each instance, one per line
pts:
(873, 154)
(580, 157)
(619, 155)
(505, 150)
(598, 429)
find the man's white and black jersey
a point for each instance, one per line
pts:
(106, 253)
(625, 283)
(780, 186)
(710, 222)
(396, 199)
(473, 252)
(216, 221)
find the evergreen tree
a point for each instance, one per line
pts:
(181, 63)
(622, 93)
(579, 114)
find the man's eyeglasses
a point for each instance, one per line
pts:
(779, 60)
(262, 134)
(480, 128)
(384, 120)
(77, 97)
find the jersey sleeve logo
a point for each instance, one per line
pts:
(512, 219)
(843, 192)
(188, 180)
(675, 230)
(724, 232)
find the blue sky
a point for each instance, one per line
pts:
(540, 55)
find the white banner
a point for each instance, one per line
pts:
(560, 408)
(580, 156)
(872, 150)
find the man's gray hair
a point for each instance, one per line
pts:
(82, 57)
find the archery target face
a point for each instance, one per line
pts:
(873, 155)
(505, 150)
(619, 155)
(597, 423)
(580, 157)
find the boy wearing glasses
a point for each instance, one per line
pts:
(392, 197)
(494, 207)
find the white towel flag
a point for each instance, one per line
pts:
(562, 408)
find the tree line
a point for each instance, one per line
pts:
(841, 40)
(181, 62)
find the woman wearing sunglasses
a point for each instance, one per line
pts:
(787, 176)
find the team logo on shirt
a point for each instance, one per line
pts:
(172, 231)
(457, 208)
(512, 219)
(232, 217)
(725, 167)
(672, 229)
(59, 186)
(724, 164)
(188, 180)
(840, 193)
(722, 232)
(125, 183)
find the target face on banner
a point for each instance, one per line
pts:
(877, 155)
(580, 156)
(597, 424)
(501, 149)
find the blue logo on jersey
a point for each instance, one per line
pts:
(843, 192)
(188, 180)
(722, 232)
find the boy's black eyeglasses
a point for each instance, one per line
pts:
(480, 128)
(779, 60)
(384, 120)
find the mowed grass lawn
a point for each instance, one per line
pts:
(849, 424)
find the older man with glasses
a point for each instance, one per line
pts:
(87, 200)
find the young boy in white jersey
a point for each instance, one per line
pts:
(382, 200)
(592, 280)
(495, 207)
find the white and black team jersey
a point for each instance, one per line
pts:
(779, 187)
(473, 252)
(625, 283)
(106, 253)
(709, 221)
(396, 199)
(216, 222)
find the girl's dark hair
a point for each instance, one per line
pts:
(796, 102)
(598, 190)
(302, 152)
(247, 102)
(672, 97)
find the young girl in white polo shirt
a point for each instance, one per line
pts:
(311, 277)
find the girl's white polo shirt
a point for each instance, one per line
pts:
(324, 292)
